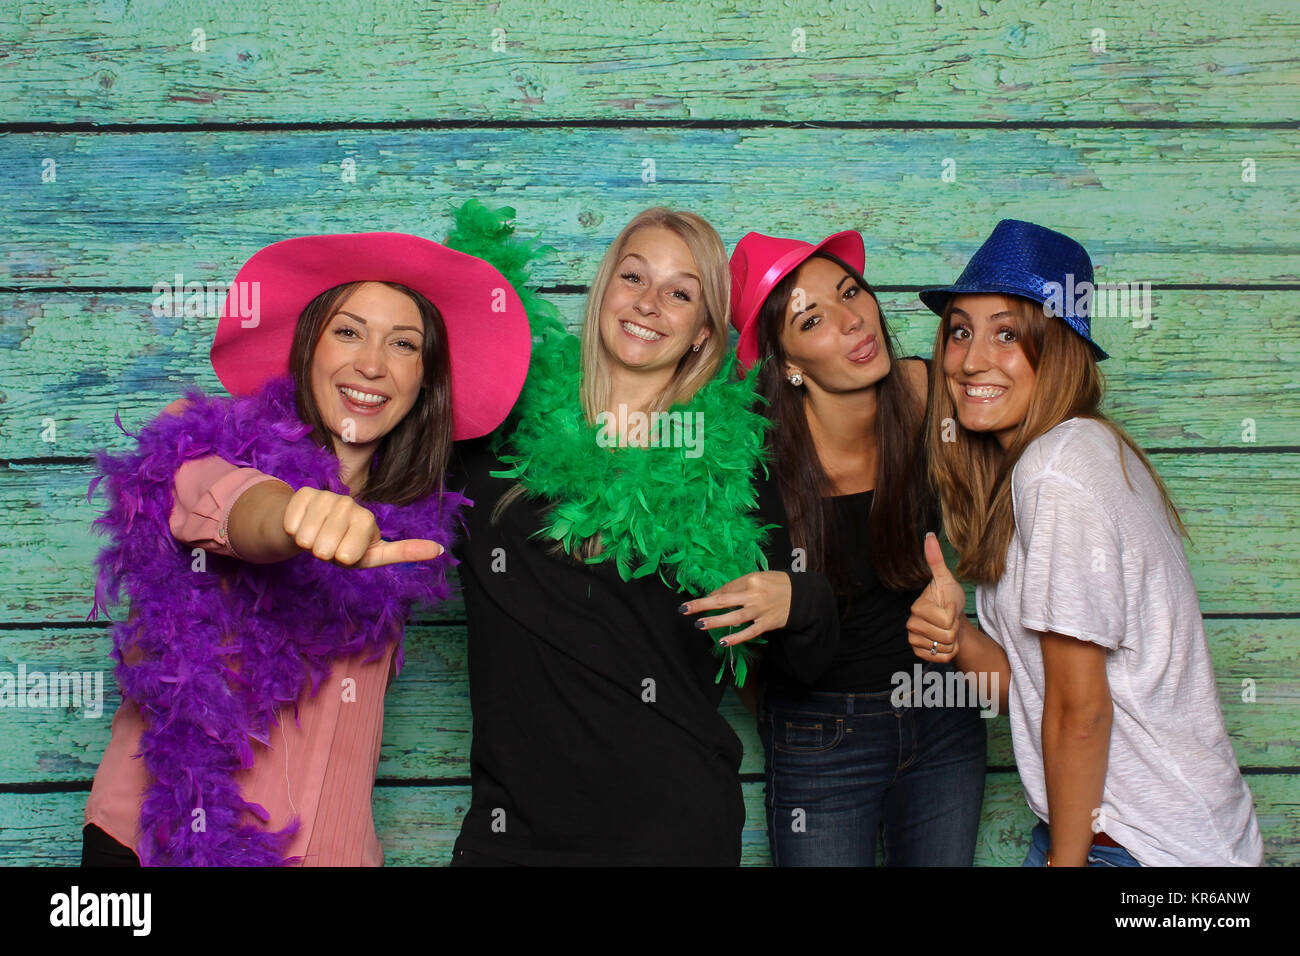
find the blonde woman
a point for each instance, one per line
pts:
(1088, 612)
(622, 481)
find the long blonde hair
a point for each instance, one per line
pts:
(695, 368)
(972, 472)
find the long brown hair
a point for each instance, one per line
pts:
(901, 503)
(971, 470)
(410, 462)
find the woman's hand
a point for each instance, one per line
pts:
(761, 600)
(938, 614)
(335, 528)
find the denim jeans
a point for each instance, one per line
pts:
(844, 769)
(1040, 841)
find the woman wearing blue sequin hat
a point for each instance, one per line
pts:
(1088, 614)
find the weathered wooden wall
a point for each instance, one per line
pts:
(170, 158)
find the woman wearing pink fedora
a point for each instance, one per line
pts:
(622, 481)
(1088, 613)
(271, 545)
(854, 754)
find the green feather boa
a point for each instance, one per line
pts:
(655, 510)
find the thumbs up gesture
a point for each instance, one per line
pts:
(938, 614)
(335, 528)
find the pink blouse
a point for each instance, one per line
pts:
(319, 768)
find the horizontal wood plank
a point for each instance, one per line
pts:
(1241, 510)
(1163, 206)
(1166, 382)
(418, 825)
(427, 725)
(892, 61)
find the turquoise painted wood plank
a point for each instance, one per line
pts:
(1242, 511)
(418, 825)
(900, 60)
(427, 726)
(79, 359)
(427, 722)
(1164, 206)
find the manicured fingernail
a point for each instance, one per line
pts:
(699, 622)
(682, 609)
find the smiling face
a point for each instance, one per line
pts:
(653, 311)
(367, 370)
(988, 375)
(831, 330)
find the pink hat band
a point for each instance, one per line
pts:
(758, 265)
(488, 339)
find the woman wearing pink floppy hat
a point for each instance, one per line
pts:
(272, 544)
(852, 755)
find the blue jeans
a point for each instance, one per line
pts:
(844, 769)
(1040, 841)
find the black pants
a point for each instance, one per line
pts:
(100, 849)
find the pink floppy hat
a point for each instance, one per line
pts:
(760, 262)
(487, 330)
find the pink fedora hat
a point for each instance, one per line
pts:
(487, 330)
(759, 262)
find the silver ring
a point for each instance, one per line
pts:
(934, 647)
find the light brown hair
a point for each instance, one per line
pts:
(972, 473)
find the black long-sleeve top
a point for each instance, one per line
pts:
(804, 648)
(597, 737)
(851, 643)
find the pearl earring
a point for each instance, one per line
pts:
(796, 379)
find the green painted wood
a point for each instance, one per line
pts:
(1241, 509)
(418, 825)
(427, 725)
(427, 722)
(896, 61)
(1164, 206)
(81, 358)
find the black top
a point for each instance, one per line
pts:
(597, 738)
(871, 642)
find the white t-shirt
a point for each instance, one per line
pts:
(1099, 561)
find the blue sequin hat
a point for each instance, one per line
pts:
(1024, 259)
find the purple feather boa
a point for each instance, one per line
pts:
(204, 696)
